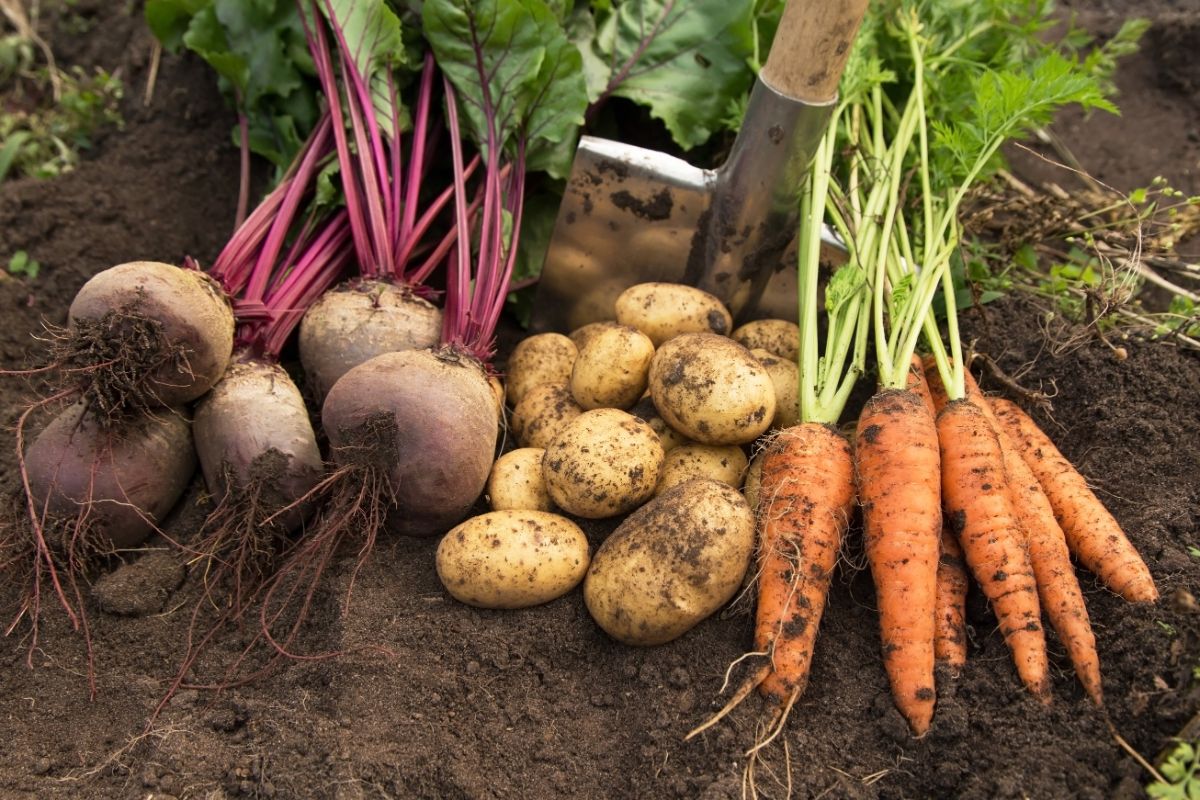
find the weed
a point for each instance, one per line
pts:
(49, 114)
(1180, 781)
(22, 264)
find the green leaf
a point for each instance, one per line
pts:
(581, 30)
(10, 149)
(848, 281)
(374, 37)
(21, 264)
(512, 65)
(683, 59)
(169, 19)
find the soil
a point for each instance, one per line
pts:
(540, 703)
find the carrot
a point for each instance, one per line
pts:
(1092, 533)
(808, 493)
(976, 496)
(806, 498)
(950, 636)
(898, 467)
(1058, 588)
(917, 382)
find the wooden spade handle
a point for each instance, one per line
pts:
(811, 48)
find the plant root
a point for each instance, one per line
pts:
(357, 499)
(113, 362)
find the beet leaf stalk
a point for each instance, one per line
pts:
(359, 54)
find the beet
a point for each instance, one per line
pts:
(424, 421)
(110, 487)
(144, 334)
(256, 445)
(356, 322)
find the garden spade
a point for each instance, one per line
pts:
(631, 215)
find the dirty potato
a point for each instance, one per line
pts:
(581, 336)
(725, 464)
(516, 482)
(711, 389)
(662, 311)
(785, 375)
(672, 563)
(776, 336)
(542, 413)
(542, 358)
(667, 436)
(612, 368)
(512, 559)
(603, 463)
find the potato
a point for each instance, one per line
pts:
(725, 464)
(542, 413)
(516, 482)
(581, 336)
(612, 368)
(543, 358)
(512, 559)
(603, 463)
(711, 389)
(785, 375)
(672, 563)
(662, 311)
(668, 437)
(776, 336)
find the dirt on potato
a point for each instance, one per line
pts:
(469, 703)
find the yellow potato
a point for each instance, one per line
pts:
(581, 336)
(512, 559)
(542, 413)
(711, 389)
(603, 463)
(611, 369)
(663, 311)
(725, 464)
(672, 563)
(543, 358)
(668, 437)
(776, 336)
(785, 375)
(516, 482)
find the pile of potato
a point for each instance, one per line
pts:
(648, 415)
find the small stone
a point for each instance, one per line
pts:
(41, 766)
(140, 587)
(472, 667)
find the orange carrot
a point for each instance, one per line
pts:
(805, 501)
(976, 496)
(917, 382)
(1092, 533)
(808, 496)
(950, 637)
(898, 470)
(1058, 588)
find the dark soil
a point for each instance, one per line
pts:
(540, 703)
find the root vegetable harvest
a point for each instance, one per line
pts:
(950, 635)
(1058, 588)
(1093, 535)
(806, 490)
